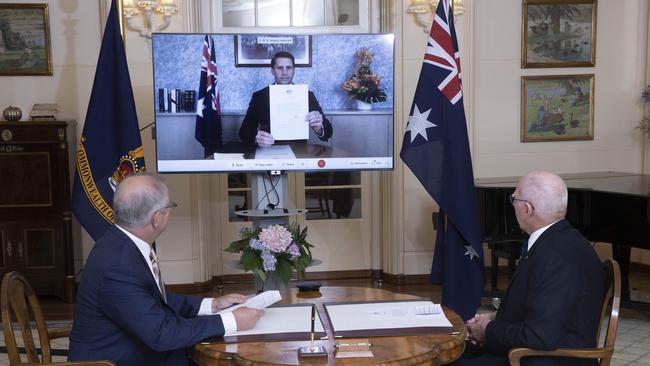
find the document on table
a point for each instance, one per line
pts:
(289, 106)
(261, 301)
(402, 317)
(284, 319)
(275, 152)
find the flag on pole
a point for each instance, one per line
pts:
(436, 149)
(208, 109)
(110, 148)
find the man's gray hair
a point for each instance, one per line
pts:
(548, 193)
(133, 208)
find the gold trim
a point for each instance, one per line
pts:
(88, 183)
(524, 34)
(590, 133)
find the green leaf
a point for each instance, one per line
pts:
(284, 270)
(250, 261)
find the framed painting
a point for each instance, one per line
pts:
(25, 40)
(558, 33)
(257, 50)
(557, 108)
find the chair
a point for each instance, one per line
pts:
(16, 294)
(612, 301)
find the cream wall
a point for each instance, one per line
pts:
(401, 230)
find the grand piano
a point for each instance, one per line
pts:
(610, 207)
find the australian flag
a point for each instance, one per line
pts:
(208, 109)
(110, 148)
(436, 149)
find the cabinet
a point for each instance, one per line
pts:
(35, 216)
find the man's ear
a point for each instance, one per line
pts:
(155, 220)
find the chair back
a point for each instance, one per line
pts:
(18, 302)
(611, 306)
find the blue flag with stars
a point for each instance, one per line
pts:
(436, 149)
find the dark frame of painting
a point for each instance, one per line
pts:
(558, 33)
(256, 50)
(25, 48)
(557, 108)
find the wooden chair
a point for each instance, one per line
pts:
(611, 302)
(16, 294)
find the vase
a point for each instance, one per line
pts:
(272, 282)
(363, 105)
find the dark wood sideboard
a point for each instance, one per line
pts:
(35, 213)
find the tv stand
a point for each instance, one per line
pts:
(270, 193)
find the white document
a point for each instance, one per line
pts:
(275, 152)
(285, 319)
(386, 315)
(289, 106)
(261, 301)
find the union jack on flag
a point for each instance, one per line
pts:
(208, 109)
(436, 149)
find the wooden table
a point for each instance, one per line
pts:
(404, 350)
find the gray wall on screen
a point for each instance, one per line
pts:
(177, 65)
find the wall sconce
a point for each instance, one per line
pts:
(424, 10)
(166, 8)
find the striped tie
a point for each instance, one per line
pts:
(156, 272)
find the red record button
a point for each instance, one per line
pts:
(321, 163)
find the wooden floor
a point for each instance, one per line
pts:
(55, 309)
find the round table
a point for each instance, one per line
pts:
(403, 350)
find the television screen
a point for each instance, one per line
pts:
(326, 103)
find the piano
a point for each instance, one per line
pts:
(609, 207)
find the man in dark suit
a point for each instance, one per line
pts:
(554, 298)
(123, 312)
(256, 127)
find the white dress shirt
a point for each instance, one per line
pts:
(228, 319)
(535, 235)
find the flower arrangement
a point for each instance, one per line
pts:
(644, 123)
(363, 85)
(276, 249)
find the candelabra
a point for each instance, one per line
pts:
(147, 8)
(424, 11)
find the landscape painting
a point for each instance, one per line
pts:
(25, 40)
(557, 108)
(558, 33)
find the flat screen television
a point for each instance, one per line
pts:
(359, 138)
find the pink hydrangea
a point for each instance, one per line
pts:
(275, 238)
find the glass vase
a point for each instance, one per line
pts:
(272, 282)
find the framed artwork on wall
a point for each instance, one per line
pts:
(257, 50)
(557, 108)
(25, 40)
(558, 33)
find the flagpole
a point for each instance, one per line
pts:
(120, 10)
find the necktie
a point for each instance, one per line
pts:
(524, 250)
(156, 272)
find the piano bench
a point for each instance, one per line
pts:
(508, 249)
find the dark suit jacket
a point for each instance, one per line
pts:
(120, 315)
(258, 116)
(553, 300)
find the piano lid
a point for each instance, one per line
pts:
(610, 182)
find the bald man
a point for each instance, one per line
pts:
(555, 297)
(123, 312)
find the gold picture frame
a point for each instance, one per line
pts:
(25, 47)
(557, 108)
(558, 33)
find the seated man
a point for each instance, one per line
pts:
(123, 312)
(256, 127)
(555, 297)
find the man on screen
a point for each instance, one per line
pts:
(255, 129)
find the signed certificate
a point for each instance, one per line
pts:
(289, 106)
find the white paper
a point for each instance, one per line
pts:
(386, 315)
(289, 107)
(261, 301)
(285, 319)
(275, 152)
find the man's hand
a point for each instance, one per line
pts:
(476, 327)
(246, 317)
(315, 120)
(220, 303)
(264, 139)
